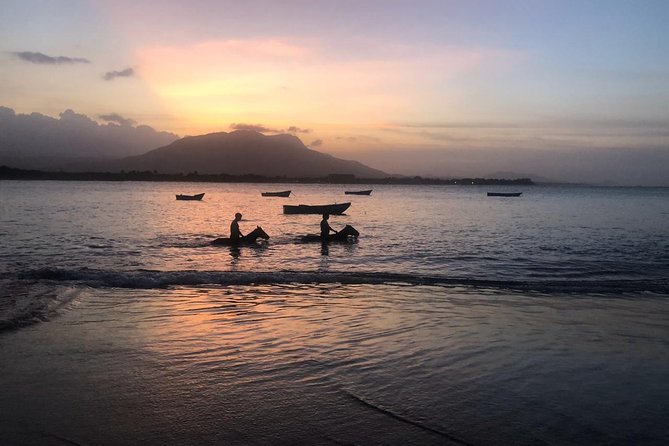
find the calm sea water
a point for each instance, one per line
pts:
(456, 318)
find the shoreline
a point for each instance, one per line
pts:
(9, 173)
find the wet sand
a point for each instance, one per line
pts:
(332, 364)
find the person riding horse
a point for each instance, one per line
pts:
(325, 228)
(235, 233)
(248, 239)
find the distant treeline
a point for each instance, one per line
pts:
(10, 173)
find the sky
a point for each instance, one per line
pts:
(388, 81)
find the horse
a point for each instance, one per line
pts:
(348, 233)
(248, 239)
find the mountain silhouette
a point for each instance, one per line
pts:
(38, 141)
(245, 152)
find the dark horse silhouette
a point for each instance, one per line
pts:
(248, 239)
(348, 233)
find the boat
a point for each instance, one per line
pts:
(285, 193)
(190, 197)
(358, 192)
(333, 209)
(504, 194)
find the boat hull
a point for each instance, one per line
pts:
(358, 192)
(332, 209)
(190, 197)
(504, 194)
(285, 193)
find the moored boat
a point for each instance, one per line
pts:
(190, 197)
(504, 194)
(285, 193)
(358, 192)
(332, 209)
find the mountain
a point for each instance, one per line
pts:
(41, 142)
(245, 152)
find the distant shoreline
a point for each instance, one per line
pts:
(10, 173)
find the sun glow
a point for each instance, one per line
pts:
(278, 81)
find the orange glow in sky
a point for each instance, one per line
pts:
(376, 74)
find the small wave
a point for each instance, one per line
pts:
(30, 305)
(391, 414)
(149, 279)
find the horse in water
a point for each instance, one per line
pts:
(348, 233)
(248, 239)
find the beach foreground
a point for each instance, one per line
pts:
(336, 364)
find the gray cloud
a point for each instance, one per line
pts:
(253, 128)
(118, 119)
(39, 58)
(581, 122)
(316, 143)
(111, 75)
(293, 129)
(260, 128)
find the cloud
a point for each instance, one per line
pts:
(580, 122)
(260, 128)
(111, 75)
(115, 117)
(254, 128)
(346, 138)
(40, 58)
(293, 129)
(459, 125)
(316, 143)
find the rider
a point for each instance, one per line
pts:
(235, 234)
(325, 228)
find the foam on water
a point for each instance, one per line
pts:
(147, 279)
(24, 303)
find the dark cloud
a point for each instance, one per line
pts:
(111, 75)
(293, 129)
(263, 129)
(40, 58)
(254, 128)
(118, 119)
(316, 143)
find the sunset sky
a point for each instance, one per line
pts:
(349, 76)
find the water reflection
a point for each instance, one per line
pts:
(235, 252)
(362, 347)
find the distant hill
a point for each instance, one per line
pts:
(244, 152)
(503, 174)
(42, 142)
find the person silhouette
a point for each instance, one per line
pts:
(325, 228)
(235, 233)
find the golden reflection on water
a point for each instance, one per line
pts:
(262, 322)
(423, 353)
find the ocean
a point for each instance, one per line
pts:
(455, 318)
